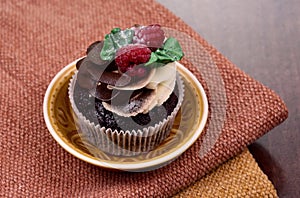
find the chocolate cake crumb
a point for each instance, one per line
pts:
(94, 111)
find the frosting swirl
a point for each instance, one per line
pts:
(131, 71)
(153, 91)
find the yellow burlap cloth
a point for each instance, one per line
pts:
(239, 177)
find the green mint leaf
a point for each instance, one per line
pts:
(108, 51)
(170, 52)
(115, 30)
(122, 38)
(173, 49)
(153, 59)
(163, 56)
(115, 40)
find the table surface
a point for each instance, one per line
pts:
(263, 39)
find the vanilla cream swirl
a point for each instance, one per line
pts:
(160, 84)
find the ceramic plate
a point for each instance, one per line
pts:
(188, 125)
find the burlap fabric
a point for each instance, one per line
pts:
(239, 177)
(38, 38)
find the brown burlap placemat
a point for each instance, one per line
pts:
(38, 38)
(239, 177)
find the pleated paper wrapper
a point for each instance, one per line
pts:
(124, 143)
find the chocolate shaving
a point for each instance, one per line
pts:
(78, 63)
(103, 93)
(94, 54)
(124, 97)
(136, 82)
(91, 46)
(85, 81)
(132, 104)
(114, 78)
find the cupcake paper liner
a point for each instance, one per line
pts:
(123, 143)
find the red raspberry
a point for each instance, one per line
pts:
(152, 36)
(130, 56)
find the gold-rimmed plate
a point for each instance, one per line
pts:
(189, 124)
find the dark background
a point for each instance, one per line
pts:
(262, 37)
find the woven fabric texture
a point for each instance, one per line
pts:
(239, 177)
(38, 38)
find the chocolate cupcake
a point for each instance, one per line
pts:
(126, 92)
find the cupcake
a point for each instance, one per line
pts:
(126, 92)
